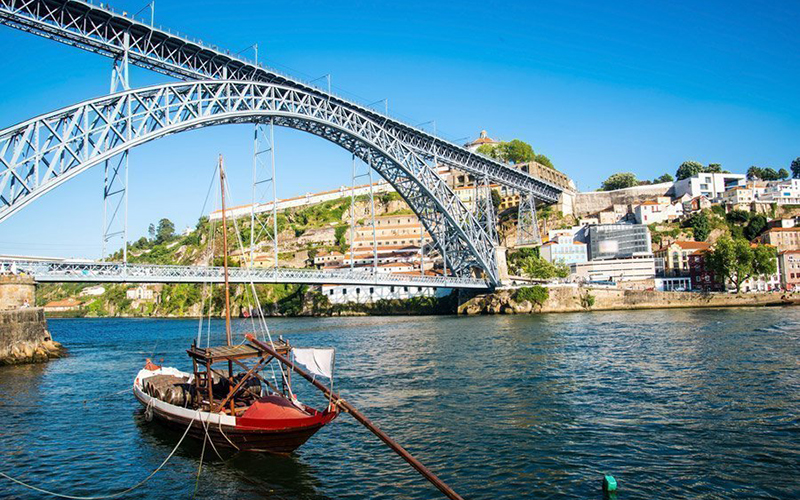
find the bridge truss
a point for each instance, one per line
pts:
(46, 151)
(114, 272)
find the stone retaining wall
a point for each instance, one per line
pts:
(16, 291)
(572, 299)
(24, 337)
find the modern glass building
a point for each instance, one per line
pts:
(618, 241)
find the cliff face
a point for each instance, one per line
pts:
(24, 337)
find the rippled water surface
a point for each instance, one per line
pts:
(696, 404)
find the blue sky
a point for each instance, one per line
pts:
(598, 87)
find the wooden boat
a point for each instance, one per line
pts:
(244, 410)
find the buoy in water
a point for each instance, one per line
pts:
(609, 484)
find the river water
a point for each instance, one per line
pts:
(699, 404)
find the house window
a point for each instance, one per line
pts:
(405, 288)
(358, 290)
(331, 292)
(391, 289)
(371, 290)
(344, 291)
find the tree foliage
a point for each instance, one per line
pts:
(165, 231)
(620, 180)
(766, 174)
(755, 226)
(736, 261)
(539, 268)
(796, 168)
(688, 169)
(700, 225)
(691, 168)
(514, 151)
(663, 178)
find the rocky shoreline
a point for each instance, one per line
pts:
(24, 338)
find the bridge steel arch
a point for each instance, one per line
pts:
(100, 30)
(46, 151)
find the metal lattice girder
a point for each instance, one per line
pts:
(113, 272)
(42, 153)
(484, 208)
(527, 224)
(99, 30)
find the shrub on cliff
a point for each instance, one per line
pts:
(536, 294)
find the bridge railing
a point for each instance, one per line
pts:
(60, 271)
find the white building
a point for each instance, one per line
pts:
(366, 294)
(635, 269)
(738, 195)
(93, 291)
(657, 211)
(563, 249)
(712, 186)
(141, 292)
(782, 193)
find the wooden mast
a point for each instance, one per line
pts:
(225, 254)
(362, 419)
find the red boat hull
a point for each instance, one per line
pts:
(275, 439)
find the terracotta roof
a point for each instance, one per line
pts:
(782, 229)
(692, 245)
(63, 303)
(649, 202)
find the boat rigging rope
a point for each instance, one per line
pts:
(101, 497)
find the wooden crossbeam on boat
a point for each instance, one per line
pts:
(234, 352)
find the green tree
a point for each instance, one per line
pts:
(620, 180)
(688, 169)
(796, 168)
(341, 240)
(663, 178)
(165, 231)
(516, 151)
(539, 268)
(783, 174)
(701, 226)
(496, 200)
(736, 261)
(492, 151)
(713, 168)
(755, 226)
(755, 173)
(770, 174)
(151, 231)
(543, 160)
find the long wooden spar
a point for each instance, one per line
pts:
(362, 419)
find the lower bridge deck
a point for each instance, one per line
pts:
(110, 272)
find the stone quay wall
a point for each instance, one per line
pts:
(16, 291)
(24, 337)
(574, 299)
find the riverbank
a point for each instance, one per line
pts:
(24, 338)
(574, 299)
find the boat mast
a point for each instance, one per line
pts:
(225, 255)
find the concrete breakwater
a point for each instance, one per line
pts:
(24, 337)
(574, 299)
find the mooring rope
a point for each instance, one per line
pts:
(101, 497)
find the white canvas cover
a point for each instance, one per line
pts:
(317, 361)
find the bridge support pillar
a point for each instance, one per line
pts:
(502, 265)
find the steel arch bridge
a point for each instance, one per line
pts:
(47, 151)
(44, 152)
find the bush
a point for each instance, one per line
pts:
(536, 294)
